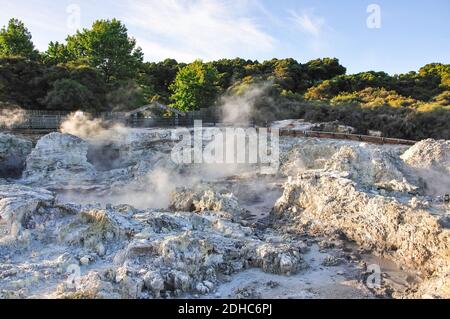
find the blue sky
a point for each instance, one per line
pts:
(411, 33)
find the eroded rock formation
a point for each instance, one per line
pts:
(370, 196)
(13, 153)
(389, 200)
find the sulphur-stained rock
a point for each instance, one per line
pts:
(303, 154)
(201, 200)
(93, 285)
(13, 153)
(372, 166)
(93, 227)
(154, 253)
(214, 201)
(335, 204)
(279, 259)
(130, 286)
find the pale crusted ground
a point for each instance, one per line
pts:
(311, 231)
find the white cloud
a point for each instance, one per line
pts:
(308, 23)
(45, 22)
(189, 29)
(315, 27)
(159, 53)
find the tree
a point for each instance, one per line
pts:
(57, 53)
(324, 69)
(107, 47)
(288, 74)
(348, 83)
(442, 71)
(155, 78)
(195, 86)
(91, 79)
(231, 70)
(71, 95)
(15, 41)
(23, 82)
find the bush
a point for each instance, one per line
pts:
(71, 95)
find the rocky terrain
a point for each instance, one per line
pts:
(115, 217)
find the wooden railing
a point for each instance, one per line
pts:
(51, 121)
(344, 136)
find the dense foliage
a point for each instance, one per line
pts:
(102, 69)
(195, 86)
(15, 40)
(106, 47)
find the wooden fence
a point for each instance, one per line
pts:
(51, 120)
(345, 136)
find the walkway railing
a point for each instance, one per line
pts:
(345, 136)
(51, 121)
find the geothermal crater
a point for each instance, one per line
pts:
(112, 216)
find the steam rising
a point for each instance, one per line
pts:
(437, 182)
(9, 117)
(84, 126)
(107, 152)
(152, 188)
(240, 108)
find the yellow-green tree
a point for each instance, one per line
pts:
(195, 87)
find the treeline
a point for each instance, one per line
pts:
(102, 69)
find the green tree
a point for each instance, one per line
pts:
(442, 71)
(288, 74)
(15, 40)
(155, 78)
(107, 47)
(195, 86)
(57, 53)
(71, 95)
(324, 69)
(231, 70)
(23, 82)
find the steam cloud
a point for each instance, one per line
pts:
(9, 117)
(154, 188)
(240, 108)
(437, 182)
(84, 126)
